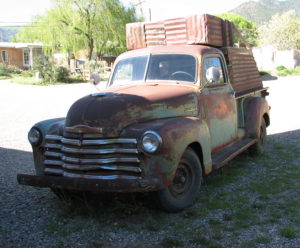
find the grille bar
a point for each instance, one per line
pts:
(92, 167)
(90, 151)
(85, 155)
(91, 141)
(87, 176)
(98, 151)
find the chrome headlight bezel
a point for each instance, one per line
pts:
(34, 136)
(151, 141)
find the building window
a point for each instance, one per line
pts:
(26, 57)
(4, 56)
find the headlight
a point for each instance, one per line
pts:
(34, 136)
(151, 141)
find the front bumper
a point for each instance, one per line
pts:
(95, 185)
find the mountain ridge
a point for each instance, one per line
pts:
(261, 11)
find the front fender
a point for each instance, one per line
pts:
(177, 134)
(53, 126)
(254, 110)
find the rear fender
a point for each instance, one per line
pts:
(254, 110)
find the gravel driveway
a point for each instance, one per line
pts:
(32, 217)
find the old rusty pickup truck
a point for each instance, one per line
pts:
(169, 116)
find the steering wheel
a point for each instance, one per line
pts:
(182, 76)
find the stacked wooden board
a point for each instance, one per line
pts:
(203, 30)
(242, 70)
(196, 29)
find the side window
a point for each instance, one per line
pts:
(4, 56)
(213, 72)
(26, 57)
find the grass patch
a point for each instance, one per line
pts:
(283, 71)
(206, 242)
(170, 242)
(289, 232)
(3, 77)
(263, 240)
(33, 81)
(249, 192)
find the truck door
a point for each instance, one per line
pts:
(218, 102)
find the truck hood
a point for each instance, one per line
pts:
(110, 111)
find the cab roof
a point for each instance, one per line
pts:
(196, 50)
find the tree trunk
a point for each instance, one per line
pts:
(91, 48)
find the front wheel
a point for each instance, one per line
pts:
(259, 147)
(185, 185)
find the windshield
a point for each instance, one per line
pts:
(174, 67)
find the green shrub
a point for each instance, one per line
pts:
(28, 73)
(61, 74)
(49, 72)
(9, 69)
(96, 66)
(3, 73)
(280, 68)
(282, 71)
(75, 78)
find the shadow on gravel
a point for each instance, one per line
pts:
(120, 205)
(268, 77)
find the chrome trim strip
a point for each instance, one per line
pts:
(53, 137)
(92, 167)
(98, 141)
(53, 162)
(67, 174)
(102, 167)
(109, 141)
(53, 154)
(99, 161)
(90, 142)
(54, 171)
(75, 142)
(53, 146)
(98, 151)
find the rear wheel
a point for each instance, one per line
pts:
(185, 186)
(259, 147)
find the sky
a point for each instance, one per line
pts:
(22, 11)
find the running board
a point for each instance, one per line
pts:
(223, 156)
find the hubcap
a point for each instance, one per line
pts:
(182, 181)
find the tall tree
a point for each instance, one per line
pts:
(247, 28)
(72, 25)
(282, 30)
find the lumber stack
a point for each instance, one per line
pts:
(242, 70)
(201, 29)
(196, 29)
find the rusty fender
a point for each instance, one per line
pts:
(177, 134)
(254, 110)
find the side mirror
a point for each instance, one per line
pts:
(212, 74)
(95, 78)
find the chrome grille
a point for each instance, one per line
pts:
(88, 156)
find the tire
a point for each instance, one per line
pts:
(185, 185)
(259, 147)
